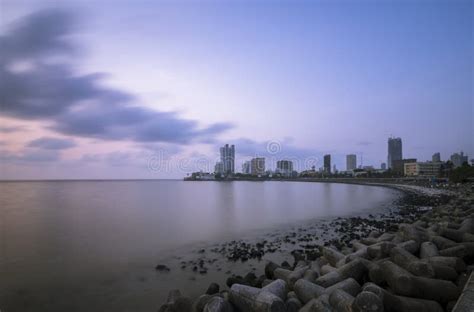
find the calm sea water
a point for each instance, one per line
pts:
(92, 245)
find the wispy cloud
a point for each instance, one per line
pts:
(77, 104)
(11, 129)
(52, 143)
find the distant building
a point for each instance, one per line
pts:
(285, 168)
(458, 159)
(394, 151)
(327, 164)
(228, 159)
(436, 157)
(368, 168)
(219, 168)
(425, 169)
(383, 166)
(246, 167)
(257, 166)
(398, 166)
(205, 176)
(351, 162)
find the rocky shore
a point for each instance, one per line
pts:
(418, 258)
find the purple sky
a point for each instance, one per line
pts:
(150, 89)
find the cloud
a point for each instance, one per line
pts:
(30, 156)
(77, 104)
(52, 143)
(11, 129)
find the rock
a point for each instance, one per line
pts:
(201, 302)
(332, 255)
(355, 269)
(290, 277)
(428, 249)
(293, 305)
(318, 305)
(162, 268)
(442, 242)
(247, 298)
(278, 287)
(176, 303)
(218, 304)
(411, 263)
(310, 275)
(457, 236)
(350, 286)
(455, 251)
(270, 267)
(454, 262)
(341, 301)
(411, 246)
(212, 289)
(326, 269)
(404, 283)
(306, 290)
(285, 265)
(367, 301)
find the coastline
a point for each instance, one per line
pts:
(340, 233)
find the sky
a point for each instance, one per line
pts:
(150, 89)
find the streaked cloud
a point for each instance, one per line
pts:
(52, 143)
(78, 104)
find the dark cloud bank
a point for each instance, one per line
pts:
(52, 143)
(35, 88)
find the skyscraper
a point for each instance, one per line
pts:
(351, 162)
(327, 164)
(436, 157)
(285, 167)
(458, 159)
(246, 167)
(228, 158)
(257, 166)
(394, 151)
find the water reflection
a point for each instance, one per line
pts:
(81, 240)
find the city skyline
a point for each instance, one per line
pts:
(314, 78)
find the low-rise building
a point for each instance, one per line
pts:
(424, 169)
(257, 166)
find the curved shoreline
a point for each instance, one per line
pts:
(413, 196)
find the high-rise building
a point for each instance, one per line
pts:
(219, 168)
(285, 167)
(327, 164)
(383, 166)
(458, 159)
(436, 157)
(394, 151)
(228, 158)
(398, 165)
(257, 166)
(246, 167)
(351, 162)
